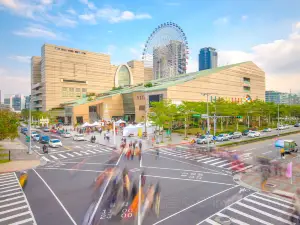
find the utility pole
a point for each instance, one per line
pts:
(278, 119)
(29, 130)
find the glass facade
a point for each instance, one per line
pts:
(208, 58)
(123, 76)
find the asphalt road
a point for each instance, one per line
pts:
(195, 188)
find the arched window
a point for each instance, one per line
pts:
(123, 76)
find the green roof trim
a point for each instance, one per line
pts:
(158, 85)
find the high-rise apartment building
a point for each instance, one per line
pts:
(208, 58)
(282, 98)
(63, 74)
(169, 60)
(16, 102)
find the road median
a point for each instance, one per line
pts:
(257, 139)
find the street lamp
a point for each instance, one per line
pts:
(29, 130)
(278, 132)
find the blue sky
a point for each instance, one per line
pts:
(240, 30)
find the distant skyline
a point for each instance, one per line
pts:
(266, 32)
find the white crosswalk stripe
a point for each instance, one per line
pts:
(256, 208)
(14, 207)
(62, 156)
(70, 154)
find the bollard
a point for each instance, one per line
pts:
(9, 155)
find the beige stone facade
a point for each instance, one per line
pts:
(63, 74)
(235, 83)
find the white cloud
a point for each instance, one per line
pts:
(221, 21)
(244, 17)
(61, 20)
(280, 59)
(172, 3)
(20, 58)
(71, 11)
(109, 31)
(111, 49)
(38, 31)
(112, 15)
(89, 4)
(90, 18)
(14, 81)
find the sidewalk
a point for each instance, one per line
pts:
(20, 159)
(278, 185)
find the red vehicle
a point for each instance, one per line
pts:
(53, 131)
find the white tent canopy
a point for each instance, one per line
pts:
(119, 122)
(86, 124)
(95, 124)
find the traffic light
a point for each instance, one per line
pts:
(239, 117)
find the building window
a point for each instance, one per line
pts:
(246, 88)
(142, 108)
(84, 90)
(246, 80)
(64, 92)
(78, 93)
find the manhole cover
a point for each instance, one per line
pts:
(223, 220)
(271, 185)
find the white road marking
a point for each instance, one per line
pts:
(7, 183)
(270, 207)
(266, 152)
(10, 199)
(70, 154)
(263, 213)
(7, 178)
(6, 175)
(54, 168)
(279, 199)
(57, 199)
(203, 181)
(197, 171)
(13, 209)
(245, 168)
(212, 160)
(218, 162)
(15, 193)
(91, 151)
(9, 190)
(212, 222)
(23, 221)
(85, 153)
(14, 216)
(14, 185)
(14, 203)
(77, 153)
(203, 159)
(249, 216)
(277, 203)
(233, 219)
(77, 147)
(225, 164)
(248, 150)
(197, 203)
(62, 156)
(54, 157)
(232, 167)
(97, 150)
(46, 159)
(200, 157)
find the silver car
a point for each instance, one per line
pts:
(222, 137)
(237, 135)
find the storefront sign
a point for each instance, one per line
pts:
(140, 97)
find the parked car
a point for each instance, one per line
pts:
(253, 134)
(37, 127)
(36, 137)
(245, 132)
(46, 129)
(230, 135)
(44, 139)
(53, 131)
(78, 137)
(204, 139)
(66, 135)
(237, 134)
(297, 125)
(24, 130)
(33, 133)
(267, 130)
(55, 143)
(280, 127)
(222, 137)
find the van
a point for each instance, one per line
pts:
(288, 145)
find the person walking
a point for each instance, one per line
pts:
(157, 154)
(132, 153)
(282, 153)
(140, 145)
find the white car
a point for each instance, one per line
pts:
(204, 139)
(33, 133)
(281, 127)
(253, 134)
(78, 137)
(222, 137)
(55, 143)
(35, 137)
(67, 135)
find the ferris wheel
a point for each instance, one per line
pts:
(166, 51)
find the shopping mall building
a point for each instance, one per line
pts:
(63, 80)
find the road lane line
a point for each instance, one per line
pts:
(249, 216)
(57, 199)
(197, 203)
(62, 156)
(187, 163)
(268, 200)
(212, 222)
(14, 203)
(14, 216)
(29, 208)
(270, 207)
(263, 213)
(55, 168)
(151, 167)
(52, 156)
(203, 181)
(232, 219)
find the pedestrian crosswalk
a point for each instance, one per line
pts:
(14, 207)
(256, 208)
(88, 151)
(220, 162)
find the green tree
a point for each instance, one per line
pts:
(9, 122)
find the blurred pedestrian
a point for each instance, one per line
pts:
(140, 145)
(282, 153)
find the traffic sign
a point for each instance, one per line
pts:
(204, 116)
(196, 115)
(27, 138)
